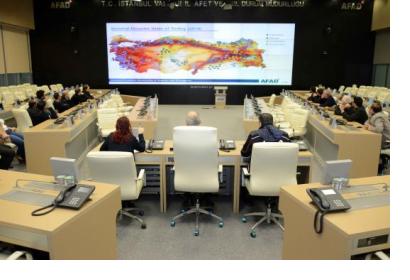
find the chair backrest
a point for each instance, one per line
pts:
(71, 93)
(8, 97)
(22, 118)
(20, 94)
(273, 165)
(115, 168)
(196, 159)
(107, 118)
(59, 87)
(117, 99)
(299, 118)
(45, 88)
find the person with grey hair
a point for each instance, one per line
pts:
(192, 119)
(344, 105)
(327, 100)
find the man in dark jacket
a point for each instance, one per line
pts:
(86, 92)
(78, 97)
(358, 114)
(266, 133)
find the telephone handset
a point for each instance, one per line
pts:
(227, 145)
(72, 197)
(327, 200)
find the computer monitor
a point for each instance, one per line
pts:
(65, 166)
(336, 169)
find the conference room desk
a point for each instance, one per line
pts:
(350, 141)
(88, 233)
(165, 158)
(47, 139)
(364, 228)
(148, 122)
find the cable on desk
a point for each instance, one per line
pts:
(318, 222)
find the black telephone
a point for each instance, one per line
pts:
(155, 145)
(227, 145)
(72, 197)
(327, 200)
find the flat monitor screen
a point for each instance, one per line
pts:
(200, 53)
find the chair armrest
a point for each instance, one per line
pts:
(220, 173)
(246, 172)
(141, 177)
(17, 254)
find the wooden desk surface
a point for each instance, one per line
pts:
(352, 222)
(232, 153)
(18, 215)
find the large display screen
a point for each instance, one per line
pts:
(200, 53)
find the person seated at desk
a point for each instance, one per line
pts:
(318, 95)
(122, 139)
(32, 110)
(266, 133)
(86, 92)
(40, 94)
(358, 112)
(327, 100)
(379, 123)
(41, 113)
(6, 153)
(77, 98)
(344, 105)
(314, 95)
(61, 104)
(192, 119)
(15, 138)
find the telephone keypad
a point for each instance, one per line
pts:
(338, 203)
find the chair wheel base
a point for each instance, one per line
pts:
(172, 223)
(244, 219)
(141, 213)
(143, 226)
(253, 234)
(221, 224)
(196, 232)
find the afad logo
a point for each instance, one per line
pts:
(269, 81)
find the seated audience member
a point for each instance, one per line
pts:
(327, 100)
(192, 118)
(32, 110)
(40, 94)
(314, 96)
(358, 112)
(319, 93)
(42, 114)
(6, 153)
(344, 105)
(16, 138)
(78, 97)
(266, 133)
(59, 103)
(122, 139)
(379, 123)
(86, 92)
